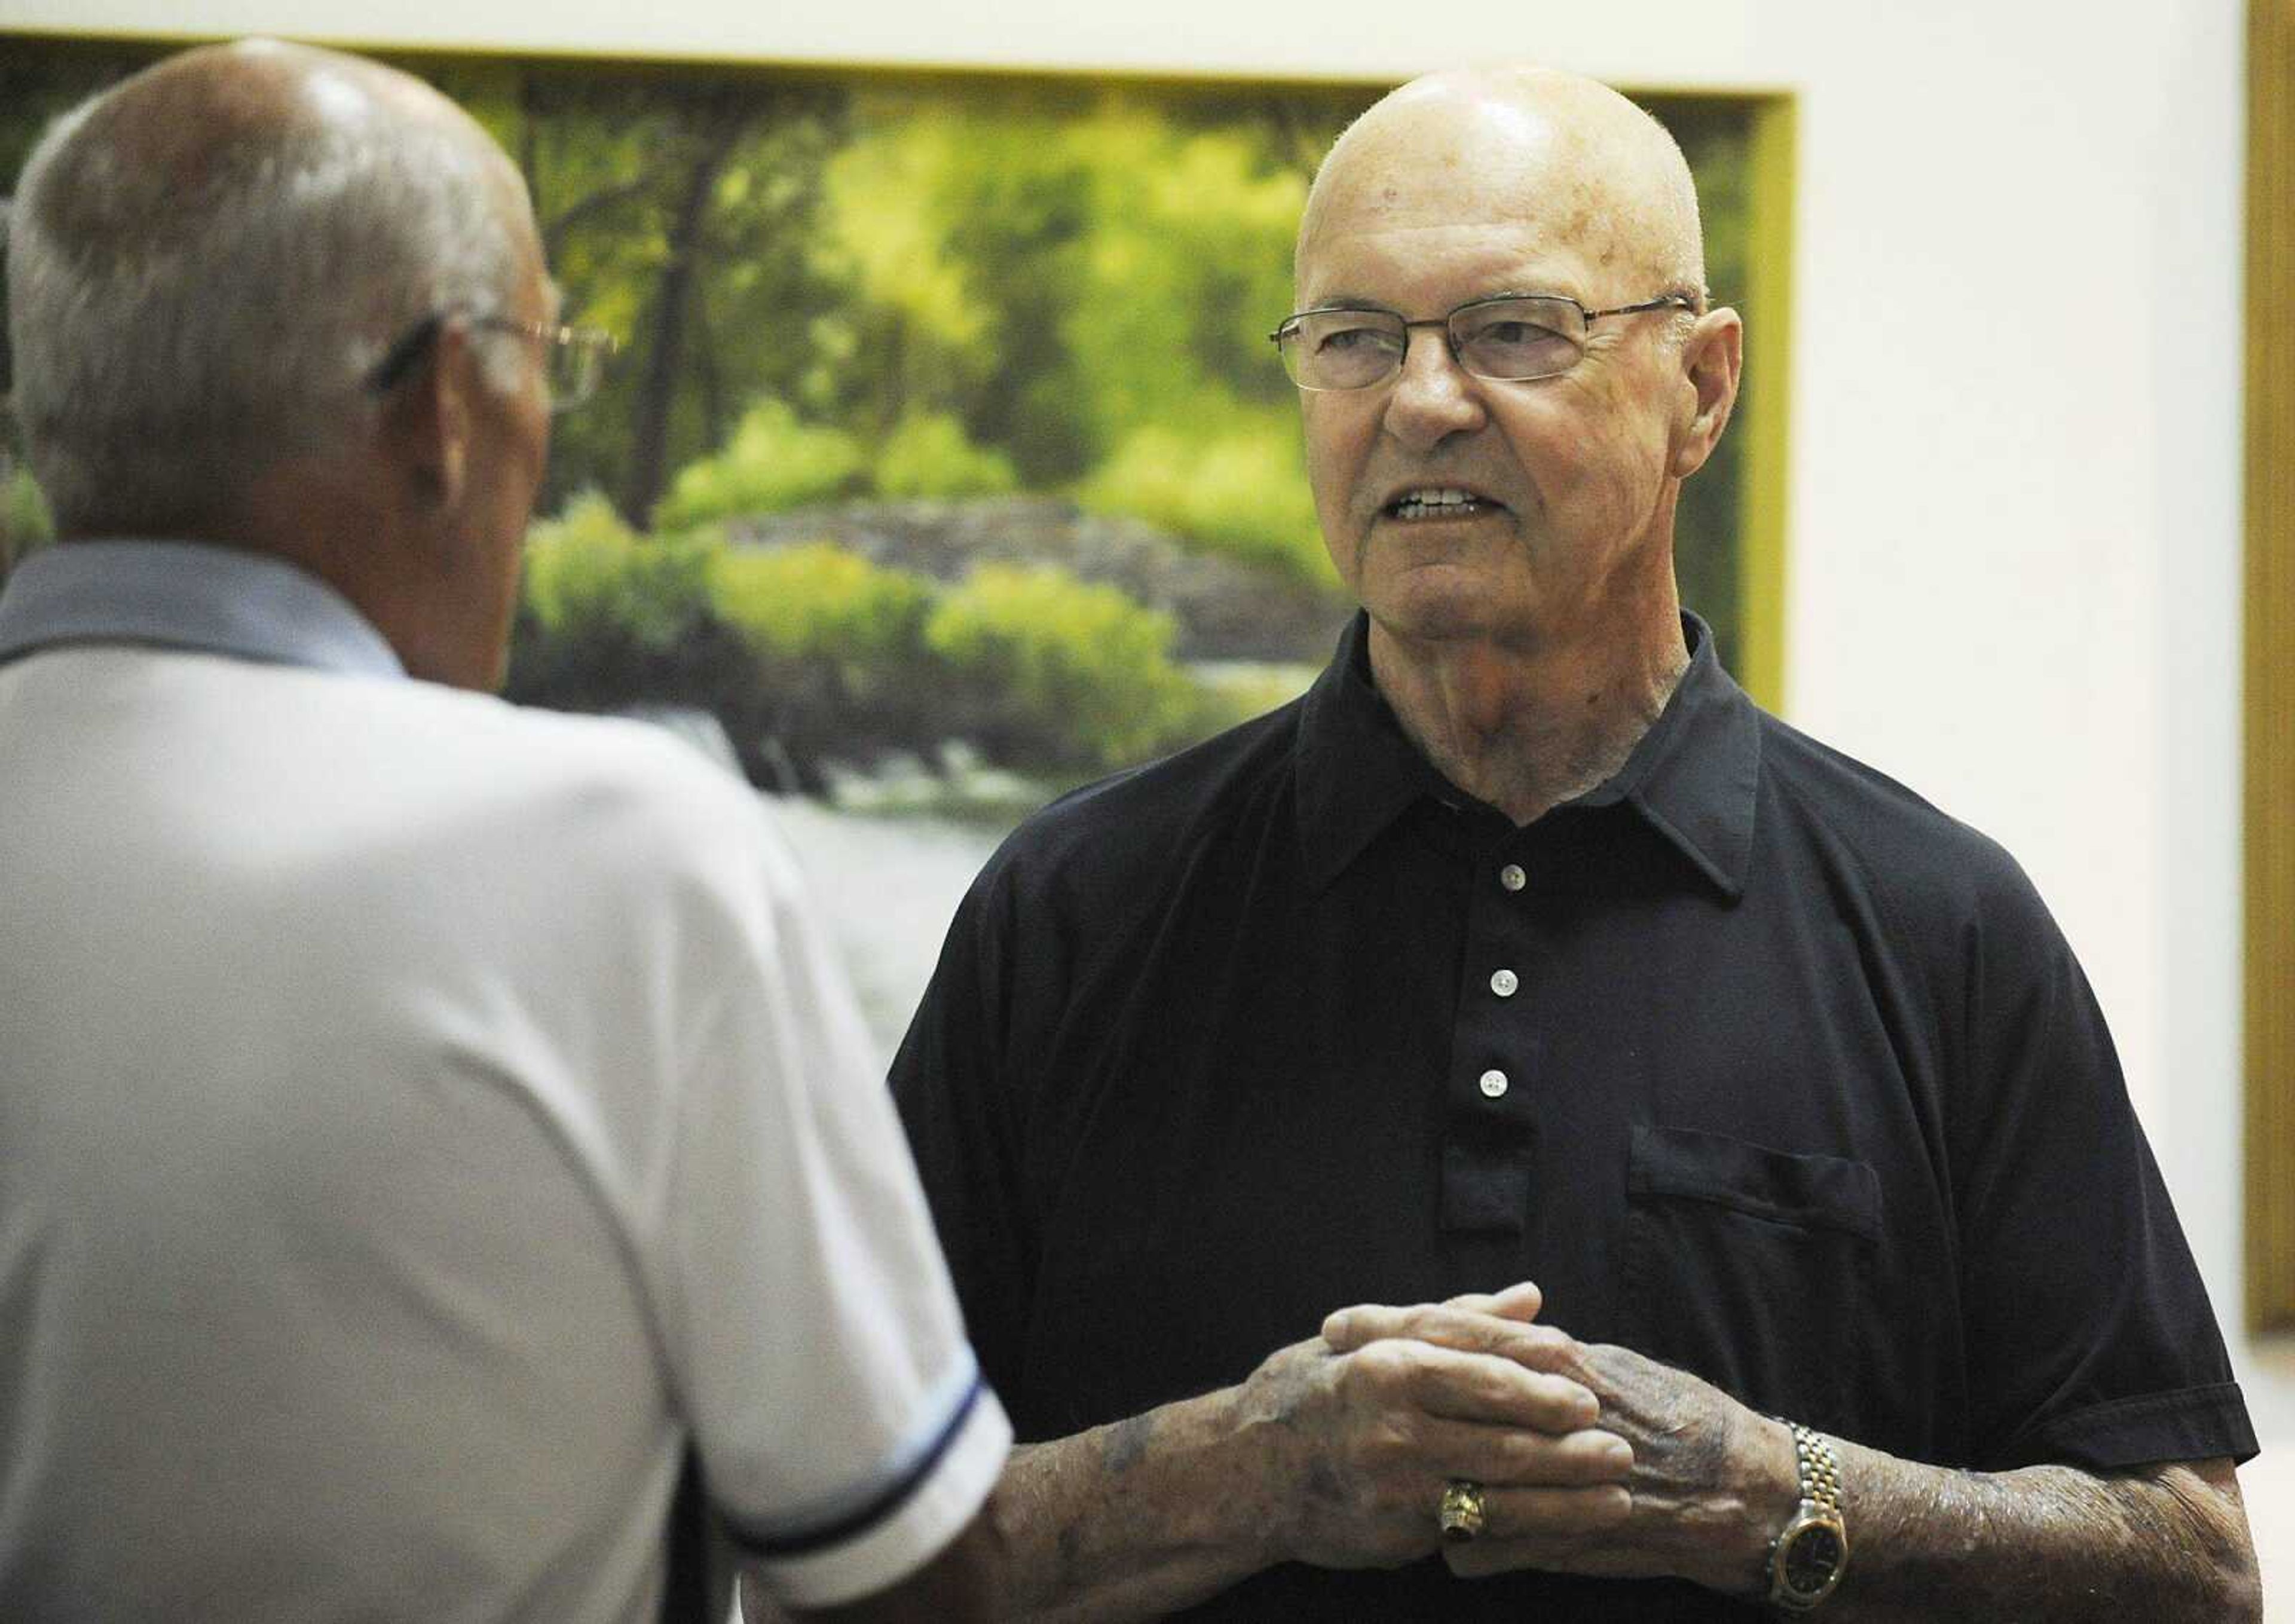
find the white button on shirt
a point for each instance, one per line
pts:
(1512, 876)
(1504, 982)
(1494, 1083)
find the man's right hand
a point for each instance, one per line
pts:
(1334, 1458)
(1360, 1444)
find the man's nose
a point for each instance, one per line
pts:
(1432, 396)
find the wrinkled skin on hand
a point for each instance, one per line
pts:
(1363, 1437)
(1708, 1481)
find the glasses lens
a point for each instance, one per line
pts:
(1515, 338)
(1343, 349)
(574, 362)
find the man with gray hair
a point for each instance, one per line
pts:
(1741, 1126)
(433, 1136)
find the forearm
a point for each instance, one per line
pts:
(1712, 1483)
(2046, 1543)
(1139, 1518)
(1126, 1522)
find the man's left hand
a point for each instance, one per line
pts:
(1711, 1483)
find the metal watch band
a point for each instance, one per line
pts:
(1819, 1471)
(1811, 1551)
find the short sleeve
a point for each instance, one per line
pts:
(2090, 1337)
(845, 1429)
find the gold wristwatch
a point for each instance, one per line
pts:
(1807, 1559)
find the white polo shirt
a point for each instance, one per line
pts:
(421, 1119)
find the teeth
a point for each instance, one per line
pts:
(1415, 504)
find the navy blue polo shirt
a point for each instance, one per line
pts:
(1753, 1059)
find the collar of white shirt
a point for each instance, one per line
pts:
(187, 595)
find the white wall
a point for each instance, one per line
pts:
(2015, 513)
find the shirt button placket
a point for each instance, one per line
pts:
(1504, 982)
(1499, 1036)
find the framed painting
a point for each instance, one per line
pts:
(947, 462)
(2270, 668)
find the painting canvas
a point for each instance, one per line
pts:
(947, 462)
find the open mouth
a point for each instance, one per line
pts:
(1439, 502)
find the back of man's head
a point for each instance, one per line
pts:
(206, 261)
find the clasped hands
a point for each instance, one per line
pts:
(1593, 1459)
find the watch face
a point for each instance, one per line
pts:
(1812, 1557)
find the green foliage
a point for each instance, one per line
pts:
(885, 195)
(1092, 284)
(774, 461)
(954, 223)
(1060, 271)
(812, 653)
(1187, 267)
(929, 455)
(1239, 494)
(1081, 667)
(820, 601)
(610, 619)
(24, 522)
(640, 177)
(1230, 693)
(586, 570)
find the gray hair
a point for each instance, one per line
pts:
(179, 327)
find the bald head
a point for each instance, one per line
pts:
(1594, 173)
(206, 261)
(202, 129)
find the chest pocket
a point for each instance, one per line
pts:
(1752, 1267)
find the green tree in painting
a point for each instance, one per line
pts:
(675, 211)
(773, 461)
(1075, 673)
(928, 454)
(587, 571)
(1085, 285)
(818, 601)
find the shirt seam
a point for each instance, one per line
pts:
(2088, 1419)
(1874, 885)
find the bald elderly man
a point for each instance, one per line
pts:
(428, 1130)
(1741, 1126)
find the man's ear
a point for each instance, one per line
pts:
(1710, 358)
(426, 420)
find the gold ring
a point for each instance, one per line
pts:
(1460, 1514)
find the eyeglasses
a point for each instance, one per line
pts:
(575, 355)
(1510, 337)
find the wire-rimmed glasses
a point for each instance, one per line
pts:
(575, 356)
(1511, 338)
